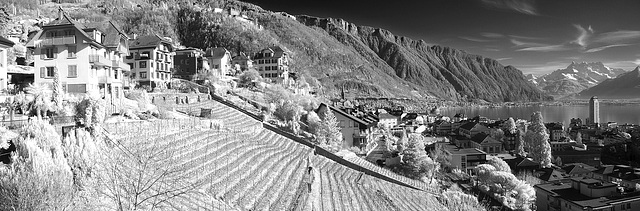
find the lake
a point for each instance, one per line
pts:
(608, 113)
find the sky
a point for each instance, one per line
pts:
(536, 36)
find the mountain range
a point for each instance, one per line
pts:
(574, 78)
(625, 86)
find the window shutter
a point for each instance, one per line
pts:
(42, 71)
(55, 52)
(43, 53)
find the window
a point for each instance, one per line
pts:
(143, 74)
(133, 75)
(115, 74)
(71, 52)
(131, 65)
(143, 64)
(260, 61)
(157, 75)
(267, 68)
(216, 66)
(48, 53)
(275, 61)
(47, 72)
(72, 71)
(274, 68)
(117, 92)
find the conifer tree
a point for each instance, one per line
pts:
(537, 141)
(520, 144)
(329, 132)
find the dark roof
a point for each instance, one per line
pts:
(469, 126)
(341, 112)
(620, 171)
(480, 137)
(5, 41)
(460, 115)
(578, 168)
(552, 175)
(189, 50)
(112, 32)
(62, 21)
(524, 162)
(410, 116)
(241, 56)
(277, 52)
(216, 53)
(148, 41)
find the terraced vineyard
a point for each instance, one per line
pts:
(388, 173)
(343, 188)
(259, 169)
(230, 117)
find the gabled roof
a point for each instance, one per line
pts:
(216, 53)
(148, 41)
(277, 52)
(341, 112)
(241, 56)
(470, 125)
(552, 175)
(578, 169)
(5, 41)
(524, 162)
(482, 137)
(112, 32)
(64, 20)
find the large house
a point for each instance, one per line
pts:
(485, 143)
(465, 159)
(151, 61)
(86, 56)
(241, 62)
(387, 120)
(625, 176)
(219, 61)
(471, 129)
(5, 44)
(354, 130)
(584, 194)
(188, 63)
(272, 63)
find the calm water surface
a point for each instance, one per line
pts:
(608, 113)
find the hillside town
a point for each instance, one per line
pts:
(249, 132)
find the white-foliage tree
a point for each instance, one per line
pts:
(537, 141)
(57, 89)
(456, 200)
(415, 161)
(504, 186)
(39, 177)
(41, 102)
(509, 126)
(328, 133)
(520, 144)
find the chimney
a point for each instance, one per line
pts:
(60, 12)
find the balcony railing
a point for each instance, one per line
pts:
(119, 64)
(62, 40)
(100, 60)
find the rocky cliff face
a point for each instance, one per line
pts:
(575, 78)
(442, 71)
(625, 86)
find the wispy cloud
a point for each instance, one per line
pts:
(521, 6)
(473, 39)
(617, 37)
(547, 48)
(637, 62)
(502, 59)
(605, 47)
(583, 35)
(525, 37)
(491, 35)
(520, 43)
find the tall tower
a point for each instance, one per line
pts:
(594, 110)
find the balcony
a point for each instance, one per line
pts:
(62, 40)
(99, 60)
(121, 65)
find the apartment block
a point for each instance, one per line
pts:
(151, 61)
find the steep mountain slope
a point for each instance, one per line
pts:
(444, 71)
(576, 77)
(625, 86)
